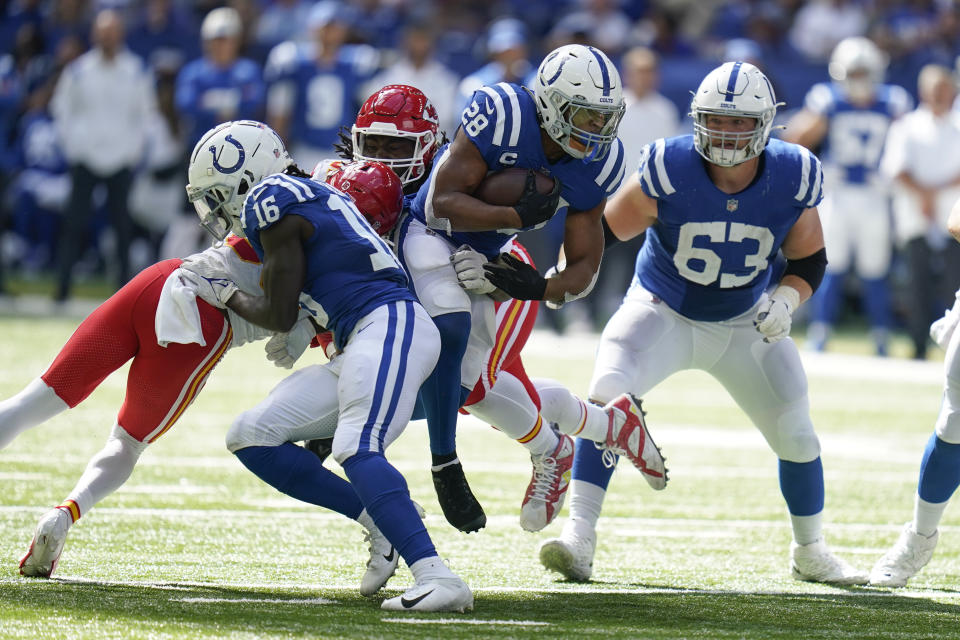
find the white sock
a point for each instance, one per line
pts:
(807, 529)
(508, 406)
(107, 470)
(572, 415)
(926, 516)
(36, 404)
(429, 568)
(366, 521)
(586, 502)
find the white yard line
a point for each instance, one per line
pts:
(867, 592)
(613, 525)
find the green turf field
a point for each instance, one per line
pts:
(196, 547)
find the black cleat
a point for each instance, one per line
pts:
(459, 506)
(321, 446)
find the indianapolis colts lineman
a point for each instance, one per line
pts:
(940, 465)
(717, 206)
(850, 117)
(565, 127)
(319, 253)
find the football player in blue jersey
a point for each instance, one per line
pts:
(717, 206)
(220, 86)
(849, 118)
(940, 465)
(320, 254)
(315, 88)
(566, 127)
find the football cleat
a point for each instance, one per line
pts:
(571, 555)
(815, 563)
(381, 565)
(911, 553)
(627, 436)
(44, 552)
(438, 594)
(457, 501)
(548, 486)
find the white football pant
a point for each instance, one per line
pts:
(363, 398)
(646, 341)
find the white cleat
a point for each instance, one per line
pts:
(911, 553)
(44, 552)
(438, 594)
(815, 563)
(548, 486)
(627, 436)
(571, 555)
(381, 565)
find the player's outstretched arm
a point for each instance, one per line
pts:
(284, 272)
(807, 128)
(458, 175)
(630, 211)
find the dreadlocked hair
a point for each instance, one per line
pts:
(344, 147)
(296, 172)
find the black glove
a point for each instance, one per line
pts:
(535, 208)
(516, 278)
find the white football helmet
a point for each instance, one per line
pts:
(579, 97)
(227, 162)
(858, 64)
(733, 89)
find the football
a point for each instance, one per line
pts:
(504, 188)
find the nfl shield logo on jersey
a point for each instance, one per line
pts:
(732, 204)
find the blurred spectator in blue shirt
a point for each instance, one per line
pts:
(42, 187)
(280, 21)
(506, 46)
(607, 27)
(163, 30)
(221, 85)
(317, 88)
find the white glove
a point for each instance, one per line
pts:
(774, 316)
(212, 290)
(283, 349)
(469, 267)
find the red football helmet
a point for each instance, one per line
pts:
(375, 189)
(400, 111)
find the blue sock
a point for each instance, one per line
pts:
(801, 484)
(299, 473)
(588, 464)
(826, 301)
(939, 470)
(441, 391)
(877, 301)
(384, 493)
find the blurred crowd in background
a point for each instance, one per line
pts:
(101, 101)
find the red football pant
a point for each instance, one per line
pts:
(162, 381)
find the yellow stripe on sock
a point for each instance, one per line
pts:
(72, 508)
(533, 432)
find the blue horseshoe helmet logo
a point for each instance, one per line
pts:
(234, 168)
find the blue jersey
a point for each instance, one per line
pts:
(855, 134)
(208, 95)
(350, 270)
(321, 97)
(709, 254)
(502, 122)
